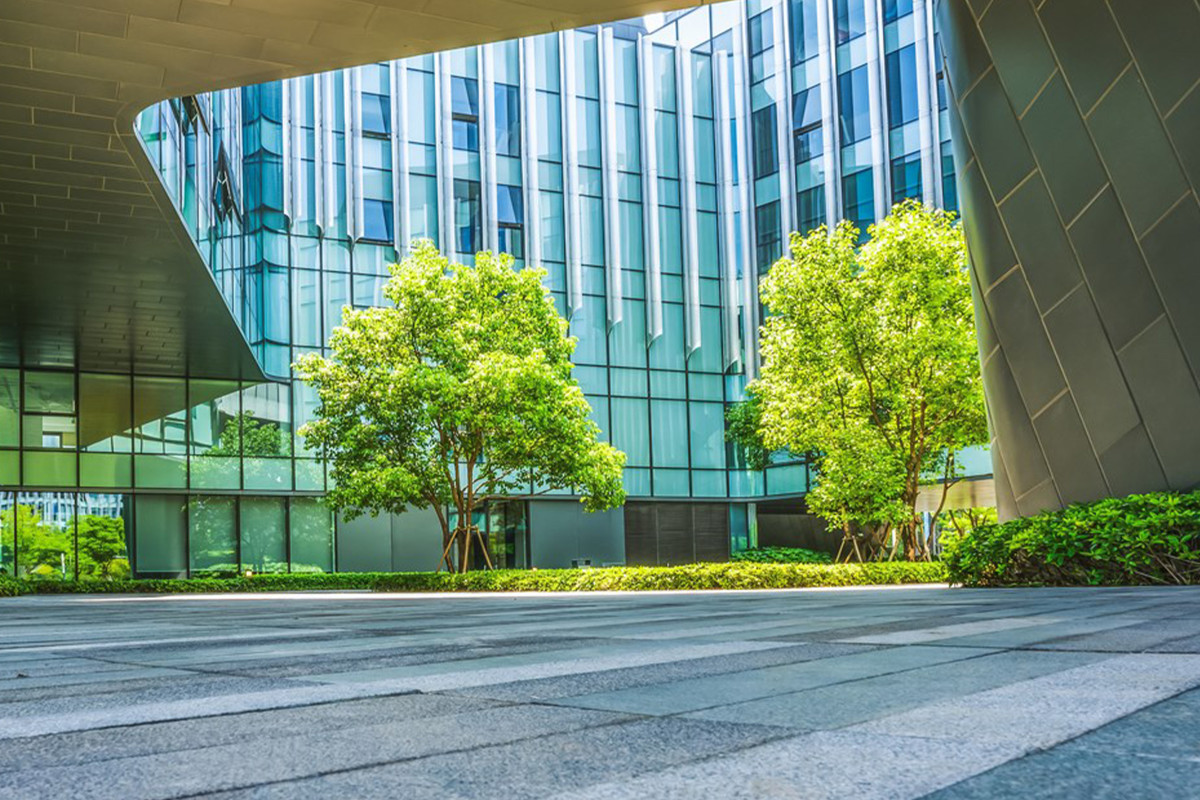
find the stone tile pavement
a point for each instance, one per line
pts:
(867, 693)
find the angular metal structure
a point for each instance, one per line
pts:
(1078, 152)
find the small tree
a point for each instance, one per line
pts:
(458, 392)
(870, 362)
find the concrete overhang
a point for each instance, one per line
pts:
(96, 268)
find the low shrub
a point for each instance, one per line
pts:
(737, 575)
(1141, 539)
(783, 555)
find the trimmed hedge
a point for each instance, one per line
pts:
(783, 555)
(1137, 540)
(691, 576)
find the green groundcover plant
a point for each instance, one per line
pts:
(737, 575)
(783, 555)
(1141, 539)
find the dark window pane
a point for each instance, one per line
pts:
(895, 9)
(804, 30)
(902, 86)
(854, 106)
(508, 120)
(949, 183)
(767, 235)
(906, 177)
(766, 156)
(761, 32)
(850, 19)
(466, 216)
(806, 120)
(377, 220)
(858, 200)
(810, 209)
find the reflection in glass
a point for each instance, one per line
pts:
(102, 522)
(45, 535)
(264, 534)
(212, 535)
(311, 535)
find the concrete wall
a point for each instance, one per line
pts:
(560, 531)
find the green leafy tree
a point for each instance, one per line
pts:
(459, 391)
(870, 362)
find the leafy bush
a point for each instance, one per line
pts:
(783, 555)
(737, 575)
(1142, 539)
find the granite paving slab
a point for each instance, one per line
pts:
(898, 692)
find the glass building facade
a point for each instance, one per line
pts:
(654, 167)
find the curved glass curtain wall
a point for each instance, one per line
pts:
(655, 173)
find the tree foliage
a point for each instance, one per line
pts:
(459, 391)
(870, 362)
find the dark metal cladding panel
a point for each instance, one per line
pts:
(1077, 155)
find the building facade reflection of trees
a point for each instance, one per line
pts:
(61, 431)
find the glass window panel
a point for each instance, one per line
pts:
(264, 534)
(906, 177)
(212, 535)
(767, 234)
(766, 153)
(464, 96)
(588, 327)
(810, 209)
(45, 468)
(850, 19)
(859, 200)
(854, 112)
(895, 9)
(105, 470)
(669, 426)
(467, 221)
(508, 120)
(422, 126)
(708, 435)
(378, 220)
(630, 431)
(160, 545)
(45, 535)
(376, 114)
(8, 532)
(103, 523)
(215, 433)
(761, 31)
(10, 407)
(805, 41)
(511, 205)
(49, 392)
(311, 531)
(902, 86)
(627, 339)
(671, 483)
(549, 126)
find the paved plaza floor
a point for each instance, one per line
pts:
(861, 693)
